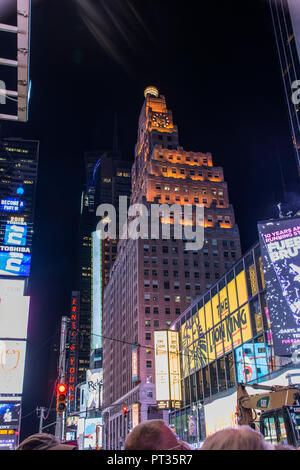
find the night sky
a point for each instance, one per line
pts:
(216, 64)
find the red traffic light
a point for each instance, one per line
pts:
(61, 388)
(125, 409)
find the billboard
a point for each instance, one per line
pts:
(280, 248)
(15, 235)
(94, 393)
(73, 349)
(9, 414)
(96, 339)
(14, 312)
(14, 263)
(92, 433)
(221, 325)
(134, 363)
(251, 361)
(12, 360)
(11, 287)
(14, 66)
(12, 204)
(167, 368)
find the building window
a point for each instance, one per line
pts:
(167, 311)
(155, 310)
(147, 323)
(148, 336)
(149, 364)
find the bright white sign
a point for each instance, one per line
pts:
(12, 360)
(14, 312)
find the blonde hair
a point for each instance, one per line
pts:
(240, 438)
(146, 435)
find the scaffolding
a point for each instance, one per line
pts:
(21, 94)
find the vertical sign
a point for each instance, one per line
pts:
(167, 368)
(280, 247)
(73, 349)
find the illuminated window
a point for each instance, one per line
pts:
(177, 188)
(177, 298)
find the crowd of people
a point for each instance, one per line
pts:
(155, 435)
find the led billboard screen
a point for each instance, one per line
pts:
(12, 360)
(11, 205)
(11, 287)
(14, 263)
(280, 248)
(251, 361)
(14, 316)
(9, 414)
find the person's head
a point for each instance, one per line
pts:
(240, 438)
(153, 435)
(43, 441)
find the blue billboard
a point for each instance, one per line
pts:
(15, 235)
(251, 361)
(14, 263)
(11, 205)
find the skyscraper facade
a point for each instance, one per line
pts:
(153, 280)
(286, 22)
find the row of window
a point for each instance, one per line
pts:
(185, 189)
(156, 311)
(183, 171)
(167, 298)
(203, 161)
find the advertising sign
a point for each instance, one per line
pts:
(94, 391)
(96, 339)
(9, 440)
(134, 363)
(167, 368)
(12, 360)
(11, 287)
(251, 361)
(73, 349)
(280, 247)
(161, 366)
(92, 436)
(14, 312)
(221, 325)
(9, 414)
(15, 235)
(14, 263)
(11, 205)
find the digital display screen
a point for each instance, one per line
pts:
(280, 248)
(12, 360)
(251, 361)
(15, 235)
(11, 287)
(14, 263)
(9, 414)
(11, 205)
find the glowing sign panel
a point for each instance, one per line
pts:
(15, 263)
(14, 316)
(280, 248)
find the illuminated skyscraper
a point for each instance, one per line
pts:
(153, 280)
(286, 23)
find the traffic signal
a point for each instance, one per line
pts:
(61, 398)
(125, 409)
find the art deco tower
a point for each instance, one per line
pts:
(154, 280)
